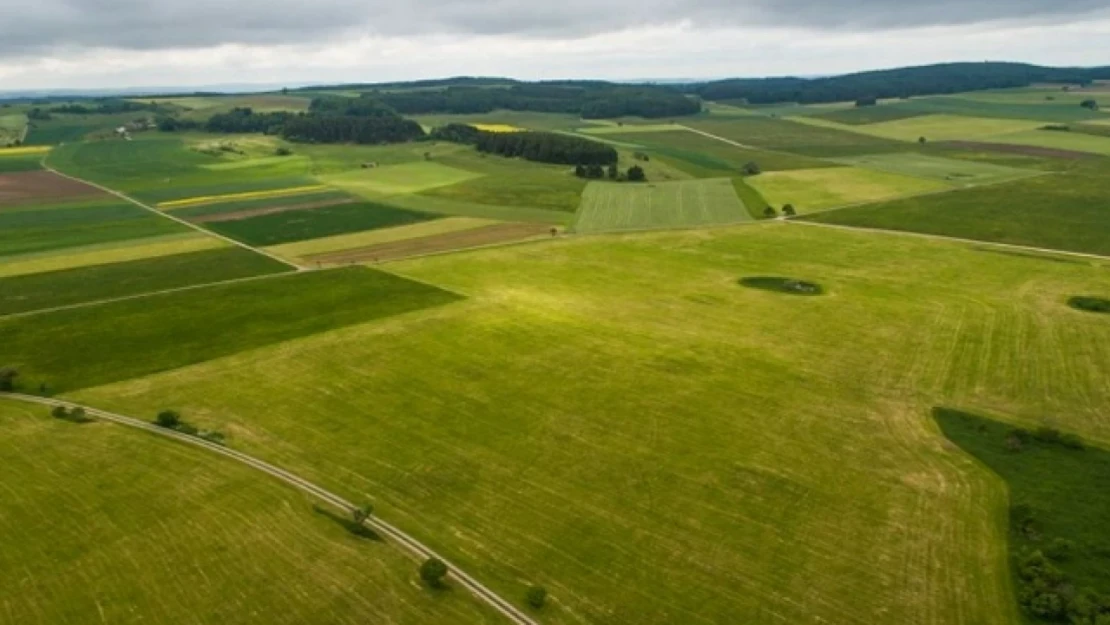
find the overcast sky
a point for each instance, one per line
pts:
(129, 43)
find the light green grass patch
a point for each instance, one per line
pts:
(463, 208)
(817, 189)
(1074, 141)
(397, 179)
(614, 129)
(608, 206)
(256, 162)
(104, 254)
(940, 127)
(953, 171)
(386, 235)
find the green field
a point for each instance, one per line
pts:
(19, 162)
(704, 157)
(792, 136)
(106, 525)
(383, 235)
(863, 115)
(942, 127)
(608, 206)
(26, 230)
(1074, 141)
(950, 170)
(1058, 507)
(1064, 211)
(99, 282)
(818, 189)
(107, 253)
(1007, 107)
(220, 208)
(298, 225)
(747, 456)
(71, 128)
(397, 179)
(126, 339)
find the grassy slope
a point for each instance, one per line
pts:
(1063, 211)
(816, 189)
(104, 525)
(1066, 490)
(99, 282)
(299, 225)
(705, 157)
(686, 204)
(135, 337)
(790, 136)
(954, 171)
(616, 418)
(27, 230)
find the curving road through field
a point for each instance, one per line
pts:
(409, 543)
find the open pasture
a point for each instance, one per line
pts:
(450, 207)
(1067, 110)
(944, 127)
(819, 189)
(953, 171)
(135, 337)
(1064, 211)
(20, 294)
(863, 115)
(343, 242)
(71, 128)
(108, 253)
(29, 229)
(705, 157)
(452, 241)
(608, 206)
(200, 211)
(399, 179)
(288, 226)
(765, 459)
(1054, 140)
(100, 521)
(794, 136)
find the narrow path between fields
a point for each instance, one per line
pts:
(722, 139)
(166, 215)
(409, 543)
(941, 237)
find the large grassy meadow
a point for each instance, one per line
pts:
(615, 417)
(106, 525)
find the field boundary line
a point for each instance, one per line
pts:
(724, 140)
(941, 237)
(147, 207)
(409, 543)
(112, 300)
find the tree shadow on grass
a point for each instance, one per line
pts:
(1059, 514)
(355, 529)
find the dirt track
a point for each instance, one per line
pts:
(449, 241)
(39, 186)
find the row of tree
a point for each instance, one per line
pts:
(108, 106)
(896, 83)
(588, 100)
(329, 120)
(544, 147)
(597, 172)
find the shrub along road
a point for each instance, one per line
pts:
(407, 542)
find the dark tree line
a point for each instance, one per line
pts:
(589, 100)
(107, 107)
(543, 147)
(329, 120)
(245, 120)
(896, 83)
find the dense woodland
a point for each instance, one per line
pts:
(328, 120)
(589, 100)
(109, 106)
(544, 147)
(896, 83)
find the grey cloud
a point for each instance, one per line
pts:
(27, 28)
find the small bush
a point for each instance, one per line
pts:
(752, 168)
(432, 571)
(536, 596)
(7, 378)
(168, 419)
(789, 210)
(1060, 549)
(1090, 304)
(283, 151)
(636, 174)
(1047, 435)
(59, 412)
(770, 212)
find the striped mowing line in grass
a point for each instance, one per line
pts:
(682, 204)
(247, 195)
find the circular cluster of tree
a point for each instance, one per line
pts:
(790, 286)
(1090, 304)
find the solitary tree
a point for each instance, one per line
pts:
(752, 168)
(1089, 104)
(613, 172)
(360, 515)
(580, 171)
(769, 212)
(433, 571)
(789, 210)
(636, 174)
(7, 378)
(168, 419)
(536, 596)
(922, 140)
(59, 412)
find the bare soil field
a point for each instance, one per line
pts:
(1027, 150)
(32, 186)
(269, 210)
(487, 235)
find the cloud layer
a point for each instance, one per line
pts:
(29, 28)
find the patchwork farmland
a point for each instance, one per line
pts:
(553, 376)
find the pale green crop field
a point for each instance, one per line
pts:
(384, 235)
(616, 418)
(398, 179)
(818, 189)
(107, 253)
(1059, 140)
(608, 206)
(106, 525)
(953, 171)
(934, 127)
